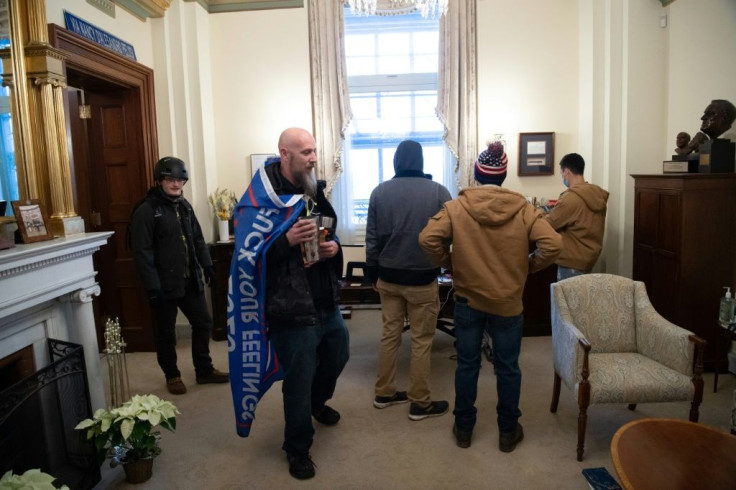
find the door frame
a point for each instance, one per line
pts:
(96, 61)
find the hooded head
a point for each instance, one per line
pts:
(408, 156)
(490, 168)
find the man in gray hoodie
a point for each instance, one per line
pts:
(404, 277)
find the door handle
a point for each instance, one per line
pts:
(95, 219)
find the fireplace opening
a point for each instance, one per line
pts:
(38, 413)
(16, 366)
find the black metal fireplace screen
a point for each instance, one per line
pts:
(37, 419)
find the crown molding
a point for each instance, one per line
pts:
(145, 8)
(218, 6)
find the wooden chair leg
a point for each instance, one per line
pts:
(583, 402)
(697, 378)
(697, 398)
(632, 406)
(555, 394)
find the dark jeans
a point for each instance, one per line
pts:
(568, 272)
(194, 307)
(312, 358)
(505, 334)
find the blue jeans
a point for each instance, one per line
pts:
(568, 272)
(505, 334)
(312, 358)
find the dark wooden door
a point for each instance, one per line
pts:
(109, 180)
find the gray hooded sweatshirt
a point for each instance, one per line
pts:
(398, 210)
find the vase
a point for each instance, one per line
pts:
(138, 471)
(224, 229)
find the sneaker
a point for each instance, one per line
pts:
(327, 416)
(214, 377)
(387, 401)
(508, 442)
(301, 466)
(176, 386)
(435, 409)
(462, 438)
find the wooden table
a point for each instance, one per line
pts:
(673, 454)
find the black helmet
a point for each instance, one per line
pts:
(170, 167)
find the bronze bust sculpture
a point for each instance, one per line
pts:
(717, 119)
(682, 140)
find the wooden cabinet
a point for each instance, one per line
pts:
(221, 254)
(685, 248)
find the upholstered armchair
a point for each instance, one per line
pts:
(611, 346)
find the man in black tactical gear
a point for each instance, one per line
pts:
(169, 249)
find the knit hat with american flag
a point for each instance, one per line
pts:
(490, 168)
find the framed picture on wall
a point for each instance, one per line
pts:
(32, 220)
(536, 154)
(257, 160)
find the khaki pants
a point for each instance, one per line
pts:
(421, 304)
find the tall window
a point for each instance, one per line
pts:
(392, 64)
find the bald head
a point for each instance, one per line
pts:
(298, 157)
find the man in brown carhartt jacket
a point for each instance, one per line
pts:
(483, 237)
(580, 217)
(490, 229)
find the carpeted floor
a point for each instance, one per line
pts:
(372, 448)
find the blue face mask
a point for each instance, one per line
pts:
(565, 183)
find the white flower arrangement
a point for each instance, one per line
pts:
(33, 479)
(223, 203)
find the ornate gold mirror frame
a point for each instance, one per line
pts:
(34, 71)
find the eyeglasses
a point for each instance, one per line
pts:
(173, 180)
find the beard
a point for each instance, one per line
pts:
(308, 181)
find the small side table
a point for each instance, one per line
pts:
(729, 333)
(673, 454)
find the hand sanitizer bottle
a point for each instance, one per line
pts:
(725, 314)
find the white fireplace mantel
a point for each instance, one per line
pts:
(46, 290)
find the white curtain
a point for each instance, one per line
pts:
(330, 98)
(456, 87)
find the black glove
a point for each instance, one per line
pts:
(209, 275)
(156, 298)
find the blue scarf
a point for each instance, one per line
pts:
(260, 218)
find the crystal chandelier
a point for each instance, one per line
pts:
(427, 7)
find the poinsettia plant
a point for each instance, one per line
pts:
(126, 433)
(32, 479)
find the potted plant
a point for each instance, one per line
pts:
(223, 203)
(31, 479)
(126, 434)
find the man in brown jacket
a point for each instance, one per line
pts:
(580, 217)
(489, 230)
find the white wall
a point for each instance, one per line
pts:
(701, 63)
(528, 80)
(261, 80)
